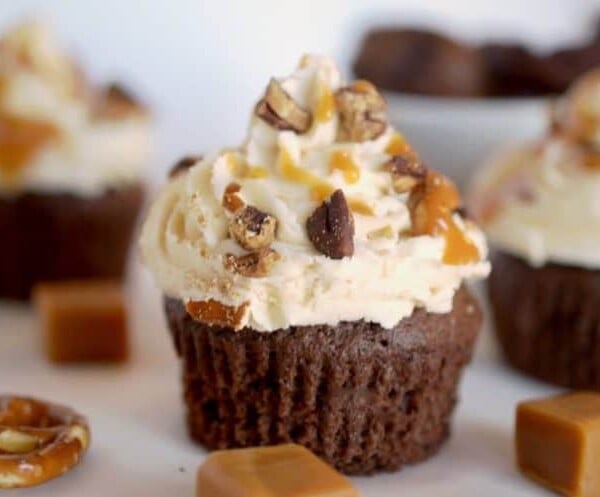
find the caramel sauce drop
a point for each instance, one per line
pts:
(326, 105)
(322, 192)
(242, 170)
(398, 145)
(360, 207)
(215, 313)
(20, 141)
(235, 165)
(291, 172)
(231, 200)
(319, 190)
(384, 232)
(342, 161)
(436, 204)
(257, 172)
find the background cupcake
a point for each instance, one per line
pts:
(540, 206)
(314, 281)
(70, 164)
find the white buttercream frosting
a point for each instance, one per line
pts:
(541, 202)
(88, 152)
(185, 237)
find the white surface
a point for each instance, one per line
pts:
(139, 445)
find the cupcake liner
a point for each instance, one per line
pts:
(47, 237)
(548, 320)
(362, 397)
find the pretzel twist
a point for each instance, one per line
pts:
(38, 441)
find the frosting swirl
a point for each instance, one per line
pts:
(542, 200)
(56, 133)
(287, 174)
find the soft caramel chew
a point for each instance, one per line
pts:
(279, 471)
(83, 321)
(558, 443)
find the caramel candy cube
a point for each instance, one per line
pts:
(83, 321)
(558, 443)
(279, 471)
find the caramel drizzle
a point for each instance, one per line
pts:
(21, 140)
(242, 170)
(592, 161)
(325, 106)
(440, 200)
(319, 189)
(291, 172)
(322, 192)
(341, 160)
(398, 145)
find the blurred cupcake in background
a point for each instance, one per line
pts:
(418, 61)
(71, 160)
(457, 101)
(540, 206)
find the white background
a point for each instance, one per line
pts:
(202, 63)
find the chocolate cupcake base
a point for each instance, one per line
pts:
(48, 237)
(548, 320)
(362, 397)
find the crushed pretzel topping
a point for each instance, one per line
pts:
(253, 265)
(362, 113)
(280, 110)
(252, 228)
(407, 172)
(214, 313)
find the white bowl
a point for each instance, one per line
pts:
(456, 135)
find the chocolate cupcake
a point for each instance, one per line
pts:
(70, 167)
(540, 206)
(421, 62)
(314, 281)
